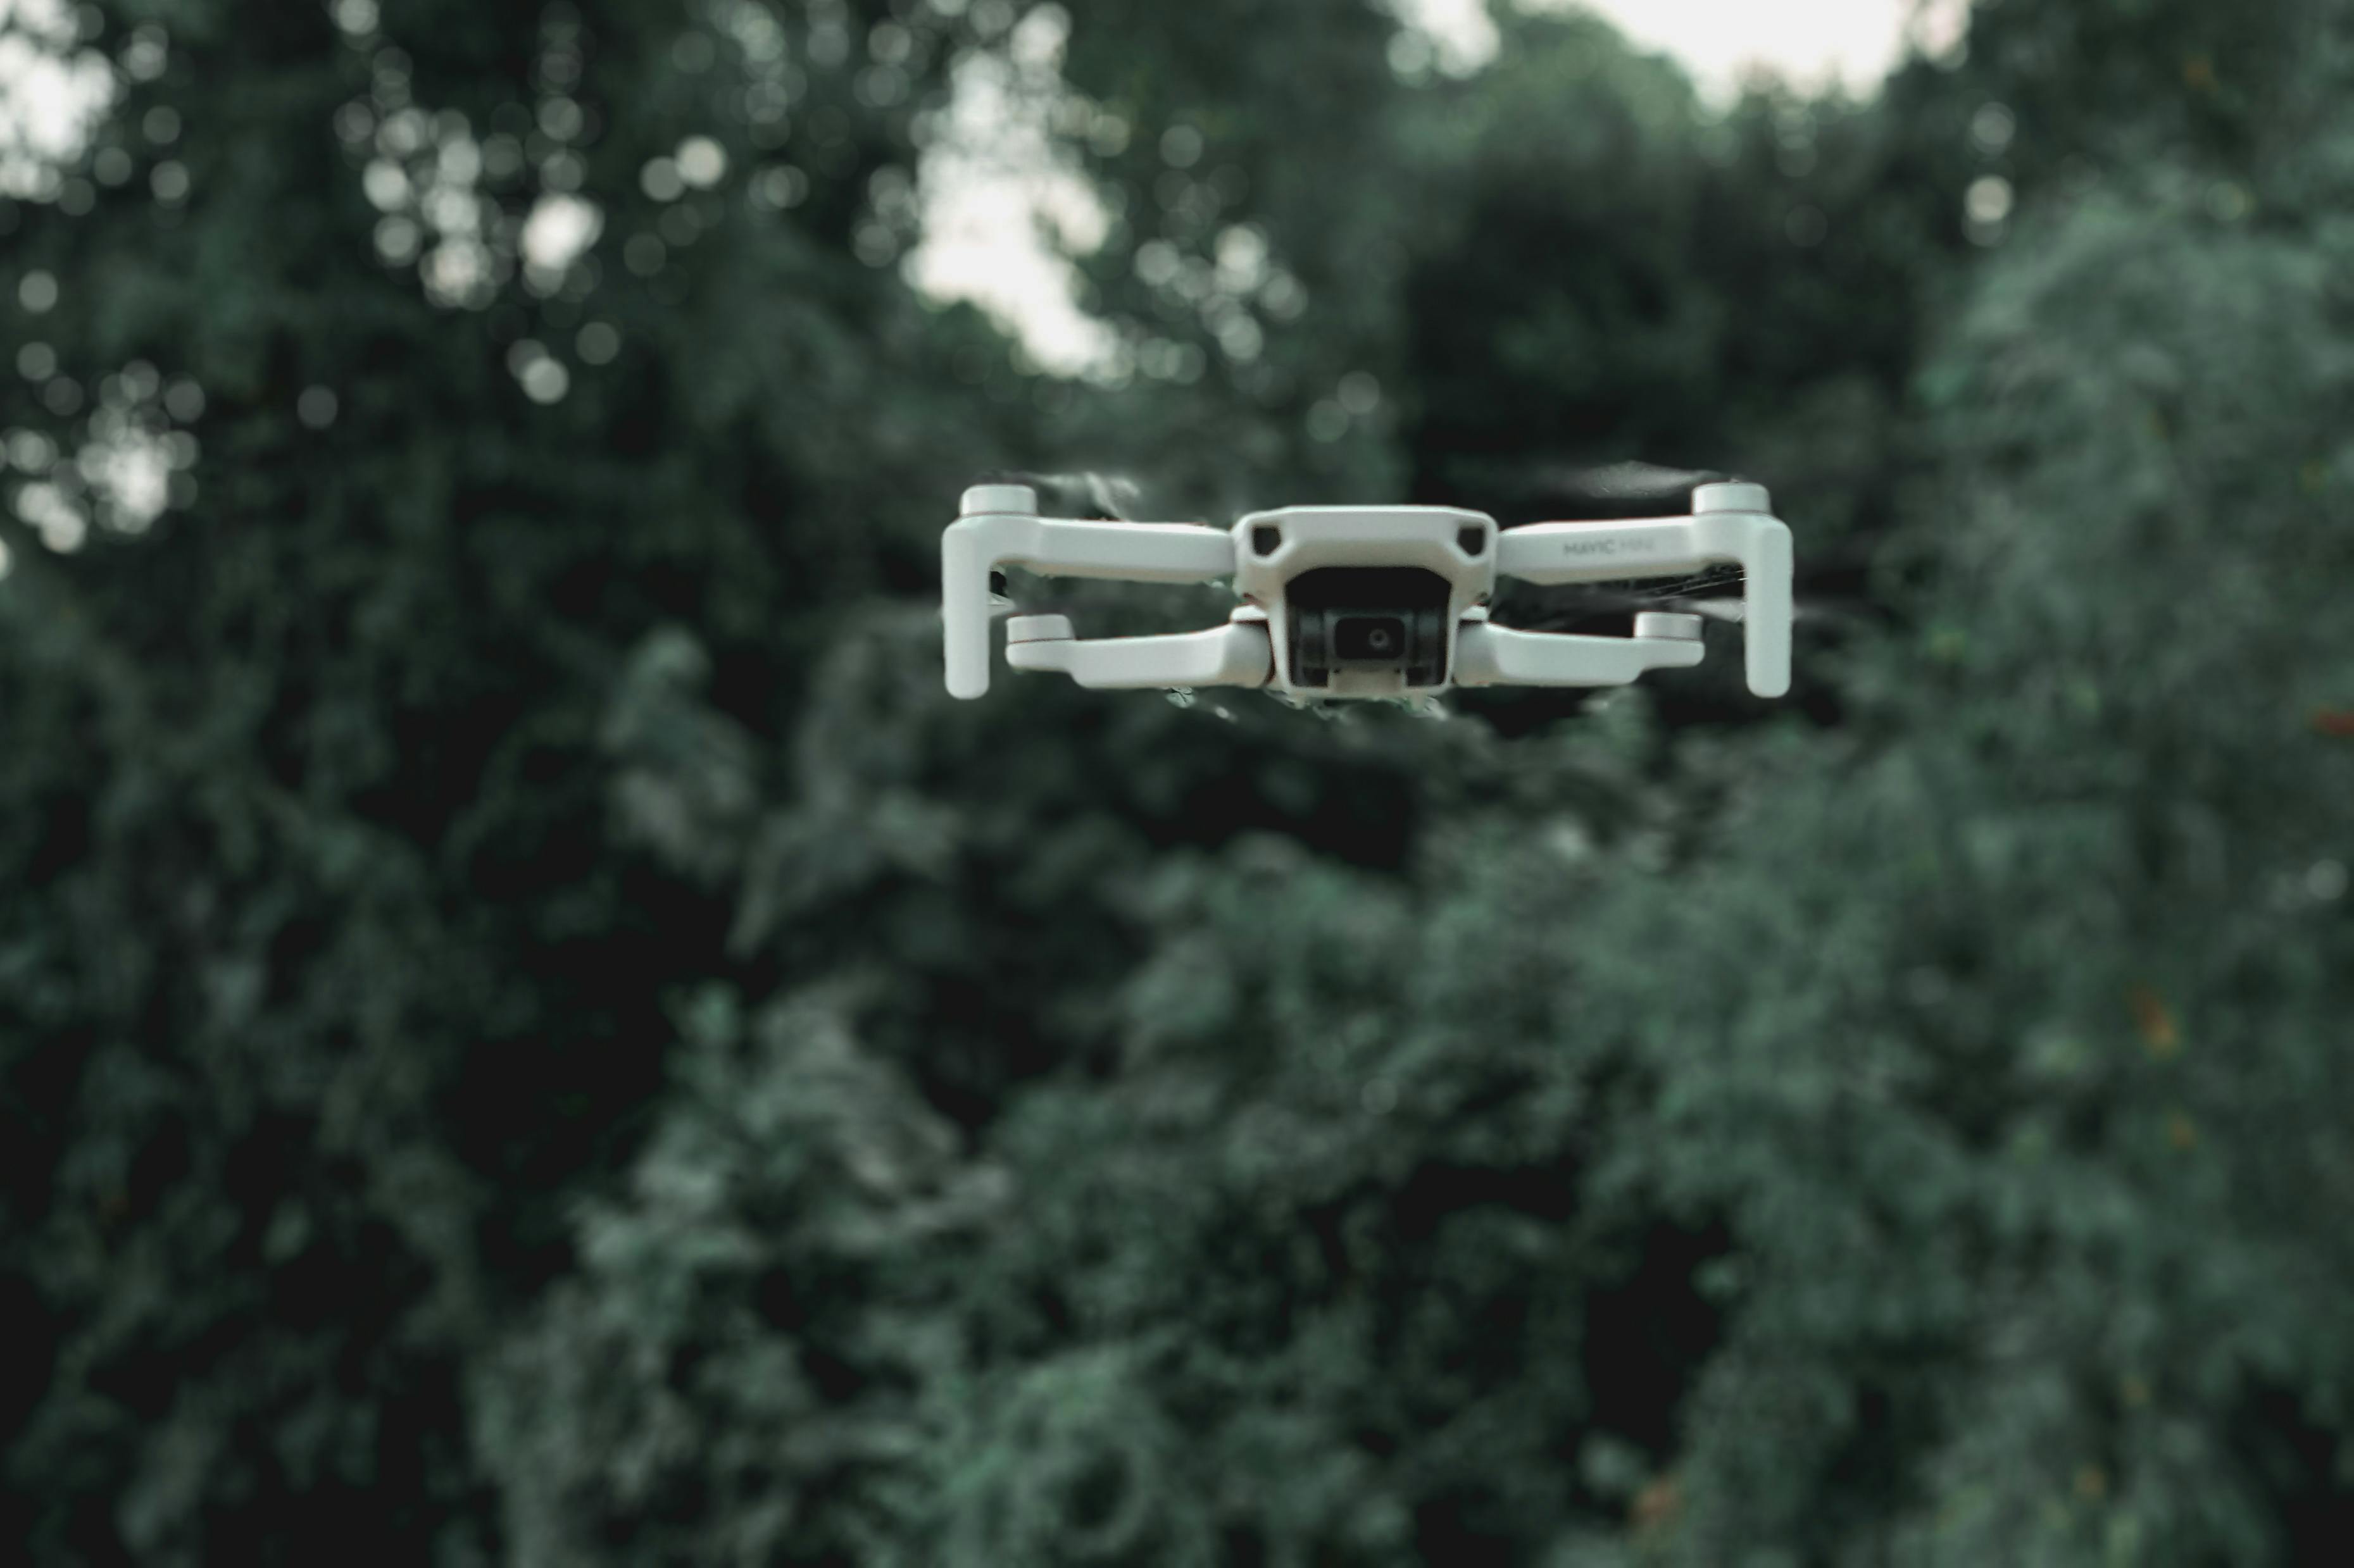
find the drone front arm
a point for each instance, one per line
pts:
(1491, 655)
(1729, 524)
(980, 543)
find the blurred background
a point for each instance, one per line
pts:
(533, 1030)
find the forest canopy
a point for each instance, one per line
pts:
(532, 1029)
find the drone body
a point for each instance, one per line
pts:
(1362, 601)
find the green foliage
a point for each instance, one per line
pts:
(531, 1028)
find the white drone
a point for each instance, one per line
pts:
(1369, 601)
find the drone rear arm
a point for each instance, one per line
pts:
(1729, 522)
(1001, 527)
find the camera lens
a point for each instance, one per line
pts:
(1368, 637)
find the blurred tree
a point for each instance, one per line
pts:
(330, 977)
(2028, 997)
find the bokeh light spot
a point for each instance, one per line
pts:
(543, 377)
(396, 240)
(644, 254)
(1180, 146)
(700, 161)
(1992, 127)
(597, 344)
(545, 380)
(559, 232)
(148, 54)
(30, 452)
(780, 186)
(1988, 199)
(386, 185)
(661, 179)
(561, 118)
(62, 525)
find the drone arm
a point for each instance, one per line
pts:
(976, 546)
(1491, 655)
(1234, 654)
(1730, 522)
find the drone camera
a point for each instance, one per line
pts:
(1368, 637)
(1373, 620)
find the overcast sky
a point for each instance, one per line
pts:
(981, 211)
(1812, 43)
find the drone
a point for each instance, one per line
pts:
(1375, 601)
